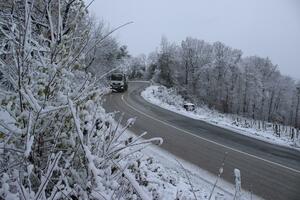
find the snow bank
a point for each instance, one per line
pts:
(170, 100)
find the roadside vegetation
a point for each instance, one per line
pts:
(220, 77)
(56, 140)
(169, 99)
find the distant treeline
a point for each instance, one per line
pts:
(217, 75)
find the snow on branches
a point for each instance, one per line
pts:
(56, 140)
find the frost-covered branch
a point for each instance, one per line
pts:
(135, 184)
(76, 122)
(57, 135)
(11, 129)
(30, 137)
(46, 178)
(221, 170)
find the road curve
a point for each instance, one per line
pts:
(270, 171)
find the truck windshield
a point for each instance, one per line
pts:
(116, 77)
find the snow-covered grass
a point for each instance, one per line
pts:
(272, 133)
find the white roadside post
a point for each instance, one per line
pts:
(238, 187)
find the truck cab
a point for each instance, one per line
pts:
(118, 82)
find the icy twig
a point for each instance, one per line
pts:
(22, 190)
(12, 149)
(27, 94)
(131, 153)
(187, 176)
(152, 140)
(10, 129)
(76, 121)
(46, 178)
(136, 186)
(52, 109)
(30, 138)
(219, 175)
(114, 132)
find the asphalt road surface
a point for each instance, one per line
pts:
(269, 171)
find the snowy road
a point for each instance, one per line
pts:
(270, 171)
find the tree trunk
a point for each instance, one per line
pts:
(270, 106)
(297, 125)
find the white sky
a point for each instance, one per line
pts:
(257, 27)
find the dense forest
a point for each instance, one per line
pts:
(220, 77)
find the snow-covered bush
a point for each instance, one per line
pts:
(56, 140)
(165, 95)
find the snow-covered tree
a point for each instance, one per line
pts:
(137, 67)
(167, 63)
(104, 54)
(217, 75)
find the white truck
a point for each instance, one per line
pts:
(118, 82)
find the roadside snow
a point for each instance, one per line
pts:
(160, 175)
(168, 99)
(168, 177)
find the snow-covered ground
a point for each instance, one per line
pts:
(168, 177)
(168, 99)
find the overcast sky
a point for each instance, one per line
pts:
(257, 27)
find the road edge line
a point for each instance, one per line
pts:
(207, 140)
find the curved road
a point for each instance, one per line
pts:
(270, 171)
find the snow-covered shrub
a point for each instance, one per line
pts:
(165, 95)
(56, 140)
